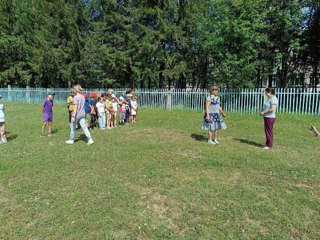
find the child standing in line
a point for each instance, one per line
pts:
(109, 109)
(122, 105)
(47, 115)
(115, 110)
(87, 109)
(101, 113)
(134, 108)
(213, 118)
(3, 138)
(70, 105)
(93, 112)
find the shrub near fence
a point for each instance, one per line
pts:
(291, 100)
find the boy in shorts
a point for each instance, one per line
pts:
(47, 116)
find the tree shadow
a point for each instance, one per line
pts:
(242, 140)
(198, 137)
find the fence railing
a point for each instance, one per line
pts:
(291, 100)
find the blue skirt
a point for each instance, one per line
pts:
(215, 122)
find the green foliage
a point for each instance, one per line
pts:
(104, 43)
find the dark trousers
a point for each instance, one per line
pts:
(268, 129)
(93, 120)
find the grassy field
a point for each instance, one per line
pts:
(159, 179)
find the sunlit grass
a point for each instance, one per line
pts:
(159, 179)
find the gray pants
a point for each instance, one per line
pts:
(82, 121)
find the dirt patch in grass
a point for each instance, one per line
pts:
(3, 197)
(162, 206)
(262, 229)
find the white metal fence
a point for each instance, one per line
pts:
(291, 100)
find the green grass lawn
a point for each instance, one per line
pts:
(159, 179)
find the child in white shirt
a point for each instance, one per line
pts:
(134, 108)
(115, 111)
(101, 113)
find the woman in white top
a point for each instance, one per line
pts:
(3, 138)
(269, 116)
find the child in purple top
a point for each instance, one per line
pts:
(47, 117)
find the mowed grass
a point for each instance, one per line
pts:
(159, 179)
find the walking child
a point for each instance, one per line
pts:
(78, 116)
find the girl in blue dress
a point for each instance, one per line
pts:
(213, 118)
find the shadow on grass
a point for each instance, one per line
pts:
(82, 137)
(10, 137)
(54, 131)
(199, 138)
(252, 143)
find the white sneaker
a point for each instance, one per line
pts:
(216, 141)
(90, 141)
(3, 140)
(211, 142)
(70, 141)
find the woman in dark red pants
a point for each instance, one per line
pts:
(269, 115)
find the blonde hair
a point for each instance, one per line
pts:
(77, 88)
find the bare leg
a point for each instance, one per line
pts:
(215, 134)
(43, 127)
(49, 128)
(2, 133)
(209, 135)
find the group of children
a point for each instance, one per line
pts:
(103, 109)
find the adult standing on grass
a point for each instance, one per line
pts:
(269, 115)
(78, 116)
(3, 138)
(213, 118)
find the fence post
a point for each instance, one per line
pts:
(9, 93)
(28, 94)
(168, 100)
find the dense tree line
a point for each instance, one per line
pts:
(159, 43)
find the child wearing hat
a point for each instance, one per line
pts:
(3, 138)
(122, 106)
(47, 115)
